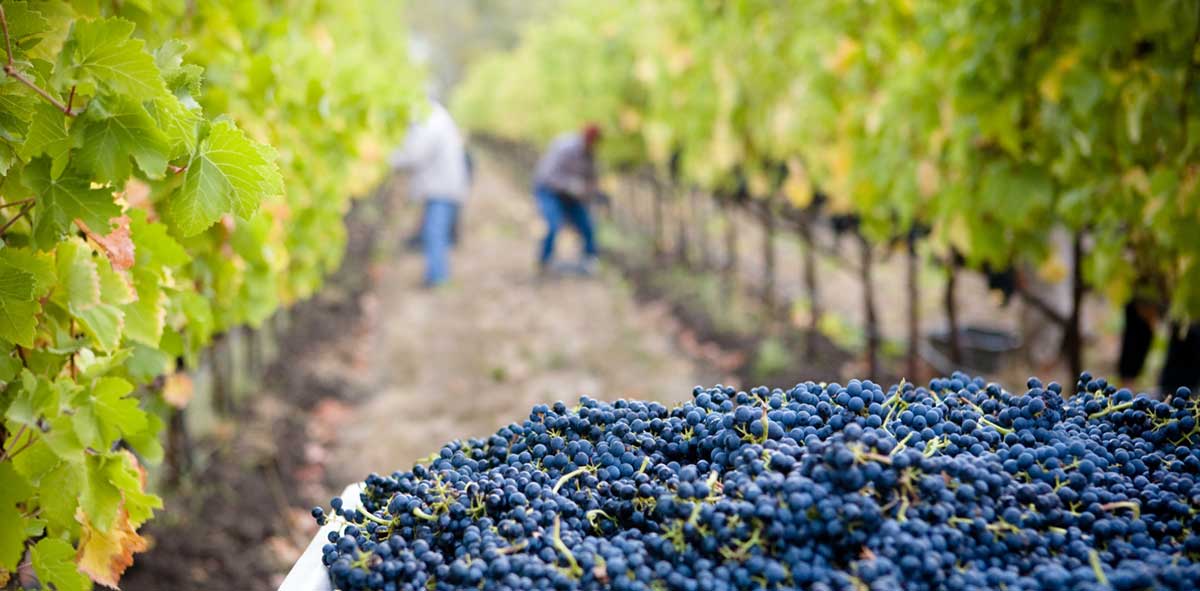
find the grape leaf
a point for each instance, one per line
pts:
(146, 363)
(38, 265)
(63, 439)
(128, 476)
(104, 555)
(178, 123)
(34, 398)
(16, 109)
(48, 136)
(115, 288)
(13, 489)
(108, 413)
(78, 276)
(112, 131)
(117, 244)
(229, 173)
(104, 323)
(100, 499)
(15, 284)
(104, 53)
(58, 495)
(153, 244)
(23, 23)
(61, 200)
(18, 321)
(183, 80)
(35, 462)
(146, 443)
(146, 317)
(54, 563)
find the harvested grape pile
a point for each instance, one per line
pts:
(960, 485)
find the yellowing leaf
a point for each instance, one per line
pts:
(839, 61)
(631, 120)
(104, 556)
(177, 390)
(1051, 84)
(117, 244)
(798, 187)
(928, 178)
(1052, 270)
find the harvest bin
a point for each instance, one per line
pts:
(309, 574)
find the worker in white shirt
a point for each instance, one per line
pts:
(434, 155)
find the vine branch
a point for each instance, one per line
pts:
(4, 455)
(20, 214)
(10, 69)
(12, 203)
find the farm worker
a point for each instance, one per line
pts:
(563, 184)
(434, 154)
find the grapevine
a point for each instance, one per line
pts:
(992, 126)
(168, 171)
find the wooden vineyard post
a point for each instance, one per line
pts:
(658, 217)
(729, 267)
(684, 220)
(700, 207)
(810, 285)
(768, 246)
(1073, 331)
(914, 310)
(951, 307)
(872, 321)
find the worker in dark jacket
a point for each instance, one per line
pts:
(563, 184)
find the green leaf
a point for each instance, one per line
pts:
(183, 80)
(105, 54)
(127, 479)
(15, 284)
(23, 23)
(48, 136)
(10, 366)
(63, 439)
(35, 397)
(115, 289)
(108, 414)
(153, 244)
(39, 265)
(100, 499)
(104, 323)
(58, 495)
(16, 109)
(13, 490)
(54, 564)
(61, 200)
(179, 124)
(112, 131)
(146, 443)
(146, 363)
(146, 317)
(228, 174)
(78, 277)
(35, 462)
(18, 321)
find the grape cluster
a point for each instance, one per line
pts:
(960, 485)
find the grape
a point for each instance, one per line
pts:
(960, 485)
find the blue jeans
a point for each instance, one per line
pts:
(435, 238)
(554, 208)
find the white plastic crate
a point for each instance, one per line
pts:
(309, 573)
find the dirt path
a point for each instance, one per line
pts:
(468, 358)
